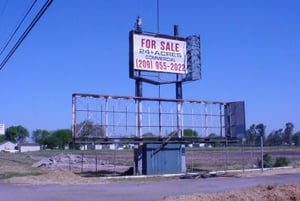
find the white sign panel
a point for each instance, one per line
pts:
(2, 129)
(159, 54)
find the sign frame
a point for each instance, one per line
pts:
(154, 52)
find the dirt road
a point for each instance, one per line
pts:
(137, 190)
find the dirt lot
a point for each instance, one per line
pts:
(24, 168)
(260, 193)
(149, 189)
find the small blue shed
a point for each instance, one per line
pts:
(158, 159)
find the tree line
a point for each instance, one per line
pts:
(62, 137)
(282, 136)
(47, 139)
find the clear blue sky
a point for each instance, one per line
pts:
(250, 52)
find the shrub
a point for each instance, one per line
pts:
(267, 161)
(281, 161)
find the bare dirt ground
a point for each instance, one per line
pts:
(260, 193)
(43, 168)
(156, 188)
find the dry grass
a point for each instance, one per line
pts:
(17, 168)
(55, 177)
(11, 168)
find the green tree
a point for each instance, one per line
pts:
(2, 138)
(251, 135)
(213, 135)
(40, 136)
(87, 128)
(288, 133)
(260, 130)
(62, 137)
(254, 133)
(190, 133)
(215, 138)
(51, 142)
(16, 133)
(275, 138)
(296, 138)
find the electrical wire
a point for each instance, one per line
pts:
(26, 32)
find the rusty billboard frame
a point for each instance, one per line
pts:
(140, 119)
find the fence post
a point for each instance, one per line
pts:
(262, 152)
(81, 162)
(96, 164)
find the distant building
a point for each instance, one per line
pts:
(99, 146)
(8, 146)
(2, 129)
(105, 146)
(25, 147)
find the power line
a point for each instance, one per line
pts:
(25, 33)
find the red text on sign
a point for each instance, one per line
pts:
(147, 43)
(169, 46)
(163, 45)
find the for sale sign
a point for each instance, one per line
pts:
(160, 54)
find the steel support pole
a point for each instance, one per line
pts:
(73, 120)
(138, 93)
(262, 152)
(138, 147)
(179, 97)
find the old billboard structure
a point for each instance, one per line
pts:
(158, 128)
(154, 126)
